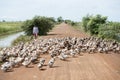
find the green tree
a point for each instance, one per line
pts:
(60, 19)
(45, 24)
(92, 23)
(85, 21)
(110, 30)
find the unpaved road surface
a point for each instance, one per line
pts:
(87, 67)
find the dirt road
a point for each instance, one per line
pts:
(64, 30)
(87, 67)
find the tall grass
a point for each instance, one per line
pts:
(10, 27)
(110, 30)
(23, 39)
(78, 26)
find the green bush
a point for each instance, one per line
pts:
(72, 23)
(60, 20)
(85, 21)
(109, 34)
(68, 21)
(92, 23)
(98, 25)
(110, 30)
(44, 24)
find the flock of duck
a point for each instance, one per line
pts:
(26, 53)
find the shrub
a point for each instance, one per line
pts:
(85, 21)
(92, 23)
(110, 30)
(44, 24)
(71, 22)
(60, 19)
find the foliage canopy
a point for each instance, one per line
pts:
(44, 24)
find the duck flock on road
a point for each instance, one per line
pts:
(62, 48)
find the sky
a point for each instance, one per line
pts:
(21, 10)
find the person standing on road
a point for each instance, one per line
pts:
(35, 31)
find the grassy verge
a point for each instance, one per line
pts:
(106, 36)
(10, 27)
(22, 38)
(79, 27)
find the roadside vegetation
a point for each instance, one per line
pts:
(45, 24)
(76, 25)
(110, 30)
(22, 39)
(59, 20)
(99, 26)
(10, 27)
(72, 23)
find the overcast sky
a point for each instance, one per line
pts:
(13, 10)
